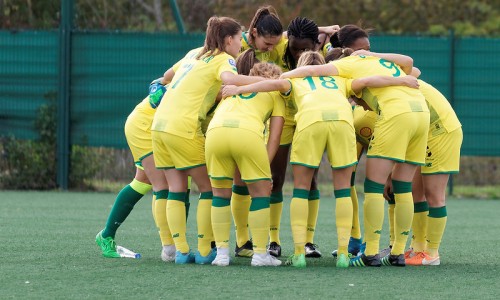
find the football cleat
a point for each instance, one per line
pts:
(384, 252)
(342, 261)
(274, 249)
(297, 260)
(423, 259)
(244, 251)
(410, 253)
(107, 245)
(312, 250)
(184, 258)
(397, 260)
(365, 261)
(168, 253)
(205, 260)
(265, 260)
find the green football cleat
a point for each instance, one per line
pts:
(108, 246)
(342, 261)
(297, 260)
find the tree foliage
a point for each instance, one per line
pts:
(475, 17)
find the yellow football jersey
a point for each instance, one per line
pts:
(248, 111)
(321, 99)
(442, 114)
(387, 101)
(192, 93)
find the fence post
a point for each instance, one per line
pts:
(177, 16)
(452, 91)
(63, 144)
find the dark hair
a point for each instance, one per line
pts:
(338, 53)
(246, 61)
(266, 21)
(301, 28)
(347, 35)
(217, 30)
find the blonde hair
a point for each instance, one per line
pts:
(310, 58)
(218, 28)
(266, 70)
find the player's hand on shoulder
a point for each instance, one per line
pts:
(410, 81)
(229, 90)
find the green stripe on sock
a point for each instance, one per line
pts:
(220, 202)
(300, 193)
(240, 190)
(177, 196)
(187, 196)
(259, 203)
(161, 195)
(401, 187)
(373, 187)
(437, 212)
(276, 197)
(314, 195)
(206, 195)
(421, 207)
(353, 178)
(342, 193)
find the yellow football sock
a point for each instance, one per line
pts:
(240, 208)
(373, 208)
(276, 208)
(435, 229)
(390, 211)
(204, 221)
(176, 217)
(356, 228)
(343, 218)
(221, 221)
(161, 218)
(312, 216)
(298, 218)
(403, 215)
(259, 223)
(419, 226)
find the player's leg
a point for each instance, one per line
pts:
(240, 208)
(124, 203)
(278, 170)
(313, 208)
(299, 208)
(343, 212)
(160, 188)
(421, 210)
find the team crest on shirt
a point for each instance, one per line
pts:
(232, 62)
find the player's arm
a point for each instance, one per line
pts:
(281, 85)
(229, 78)
(415, 72)
(383, 81)
(275, 129)
(314, 71)
(404, 61)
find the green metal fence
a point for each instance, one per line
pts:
(109, 74)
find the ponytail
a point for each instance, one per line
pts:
(338, 53)
(246, 61)
(218, 28)
(266, 22)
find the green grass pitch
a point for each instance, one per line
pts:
(48, 252)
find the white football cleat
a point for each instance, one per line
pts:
(265, 260)
(168, 253)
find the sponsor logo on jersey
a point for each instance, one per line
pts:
(232, 62)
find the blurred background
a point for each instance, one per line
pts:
(71, 72)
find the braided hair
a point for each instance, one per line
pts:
(301, 28)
